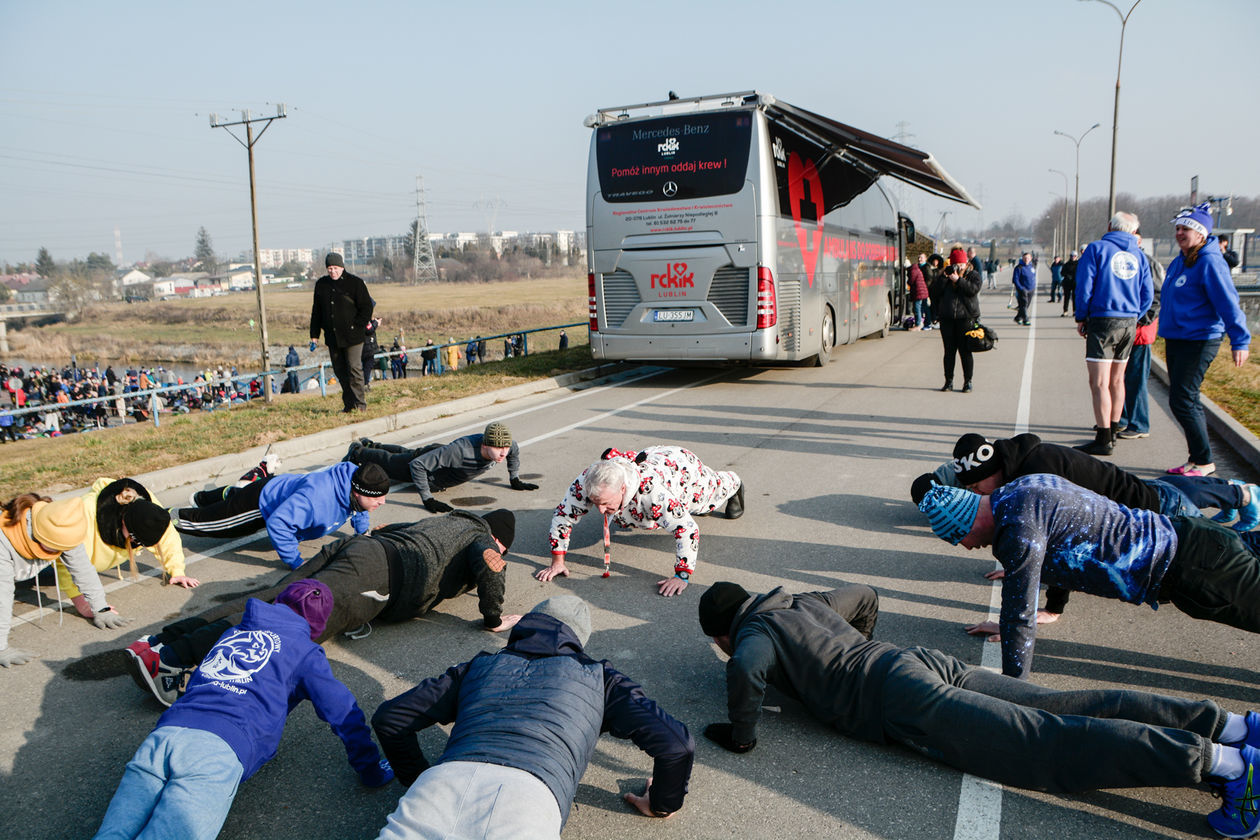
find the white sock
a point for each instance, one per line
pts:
(1235, 728)
(1227, 762)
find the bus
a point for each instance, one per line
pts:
(739, 228)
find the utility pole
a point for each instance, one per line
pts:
(248, 121)
(423, 263)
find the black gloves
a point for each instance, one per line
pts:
(434, 506)
(720, 734)
(517, 484)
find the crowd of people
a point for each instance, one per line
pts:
(525, 720)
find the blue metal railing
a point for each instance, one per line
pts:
(240, 384)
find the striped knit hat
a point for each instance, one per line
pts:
(951, 511)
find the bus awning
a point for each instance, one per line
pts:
(878, 154)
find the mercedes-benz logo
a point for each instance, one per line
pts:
(670, 189)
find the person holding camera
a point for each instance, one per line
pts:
(955, 292)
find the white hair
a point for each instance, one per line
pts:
(1124, 222)
(615, 473)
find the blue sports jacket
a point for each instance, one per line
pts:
(306, 507)
(1200, 302)
(1112, 279)
(260, 670)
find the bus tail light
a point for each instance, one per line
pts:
(590, 291)
(767, 306)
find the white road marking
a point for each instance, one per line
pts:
(980, 800)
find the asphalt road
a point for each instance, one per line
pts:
(828, 456)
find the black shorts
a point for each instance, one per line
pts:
(1109, 339)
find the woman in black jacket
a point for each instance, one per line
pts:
(955, 292)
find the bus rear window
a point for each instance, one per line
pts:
(679, 157)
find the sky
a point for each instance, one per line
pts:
(105, 107)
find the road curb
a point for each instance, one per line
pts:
(228, 467)
(1237, 436)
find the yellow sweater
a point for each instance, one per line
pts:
(169, 550)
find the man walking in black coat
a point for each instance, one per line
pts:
(342, 309)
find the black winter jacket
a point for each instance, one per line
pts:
(341, 309)
(958, 300)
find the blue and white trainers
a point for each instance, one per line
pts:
(1239, 814)
(1249, 515)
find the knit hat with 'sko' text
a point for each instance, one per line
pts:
(975, 459)
(951, 511)
(497, 434)
(1197, 218)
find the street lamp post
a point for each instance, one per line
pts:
(1076, 211)
(1066, 250)
(1115, 117)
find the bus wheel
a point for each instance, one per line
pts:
(827, 335)
(883, 331)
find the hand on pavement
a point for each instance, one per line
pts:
(669, 587)
(642, 802)
(508, 622)
(109, 620)
(434, 506)
(12, 656)
(517, 484)
(185, 581)
(990, 628)
(556, 569)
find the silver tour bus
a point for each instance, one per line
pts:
(738, 227)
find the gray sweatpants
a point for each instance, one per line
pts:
(472, 799)
(1024, 735)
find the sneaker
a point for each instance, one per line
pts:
(1239, 814)
(1132, 434)
(735, 506)
(1249, 516)
(1193, 470)
(144, 663)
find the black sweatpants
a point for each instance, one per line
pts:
(1021, 734)
(395, 459)
(953, 336)
(355, 569)
(1214, 576)
(236, 516)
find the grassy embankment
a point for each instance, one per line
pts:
(217, 331)
(219, 326)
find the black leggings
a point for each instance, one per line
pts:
(953, 336)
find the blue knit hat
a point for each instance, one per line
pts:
(951, 511)
(1197, 218)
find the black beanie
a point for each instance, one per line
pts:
(718, 606)
(332, 259)
(502, 525)
(921, 486)
(370, 480)
(145, 521)
(975, 459)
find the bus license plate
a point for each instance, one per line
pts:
(674, 315)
